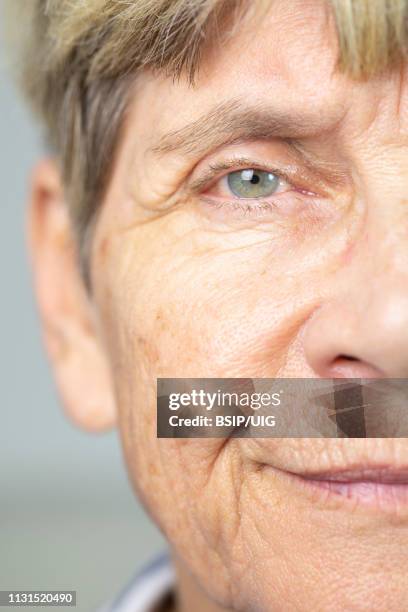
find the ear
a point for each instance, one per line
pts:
(68, 316)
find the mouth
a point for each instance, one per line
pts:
(383, 488)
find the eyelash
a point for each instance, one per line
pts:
(245, 207)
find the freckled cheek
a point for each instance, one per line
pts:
(222, 320)
(213, 307)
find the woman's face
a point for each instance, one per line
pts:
(302, 272)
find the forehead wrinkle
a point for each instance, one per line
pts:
(234, 120)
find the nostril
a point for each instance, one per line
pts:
(344, 366)
(348, 366)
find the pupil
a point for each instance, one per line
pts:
(255, 179)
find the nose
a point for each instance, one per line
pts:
(362, 332)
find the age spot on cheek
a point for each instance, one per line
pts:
(155, 333)
(160, 321)
(148, 349)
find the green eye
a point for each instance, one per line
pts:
(250, 183)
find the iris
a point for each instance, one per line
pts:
(253, 183)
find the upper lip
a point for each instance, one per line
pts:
(386, 474)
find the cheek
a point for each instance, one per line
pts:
(205, 304)
(220, 313)
(194, 305)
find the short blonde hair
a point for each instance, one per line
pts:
(78, 59)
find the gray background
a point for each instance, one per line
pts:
(68, 517)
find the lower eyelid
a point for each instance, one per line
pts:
(246, 204)
(285, 204)
(241, 205)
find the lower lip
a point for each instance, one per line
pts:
(383, 496)
(379, 494)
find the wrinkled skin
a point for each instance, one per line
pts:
(184, 288)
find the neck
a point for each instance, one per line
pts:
(190, 595)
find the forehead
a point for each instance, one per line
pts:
(279, 42)
(286, 54)
(284, 57)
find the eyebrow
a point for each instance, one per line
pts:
(234, 120)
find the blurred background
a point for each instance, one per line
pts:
(68, 517)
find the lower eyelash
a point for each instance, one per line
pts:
(244, 207)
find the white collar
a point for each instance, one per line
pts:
(146, 589)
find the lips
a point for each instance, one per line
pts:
(384, 488)
(384, 474)
(352, 472)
